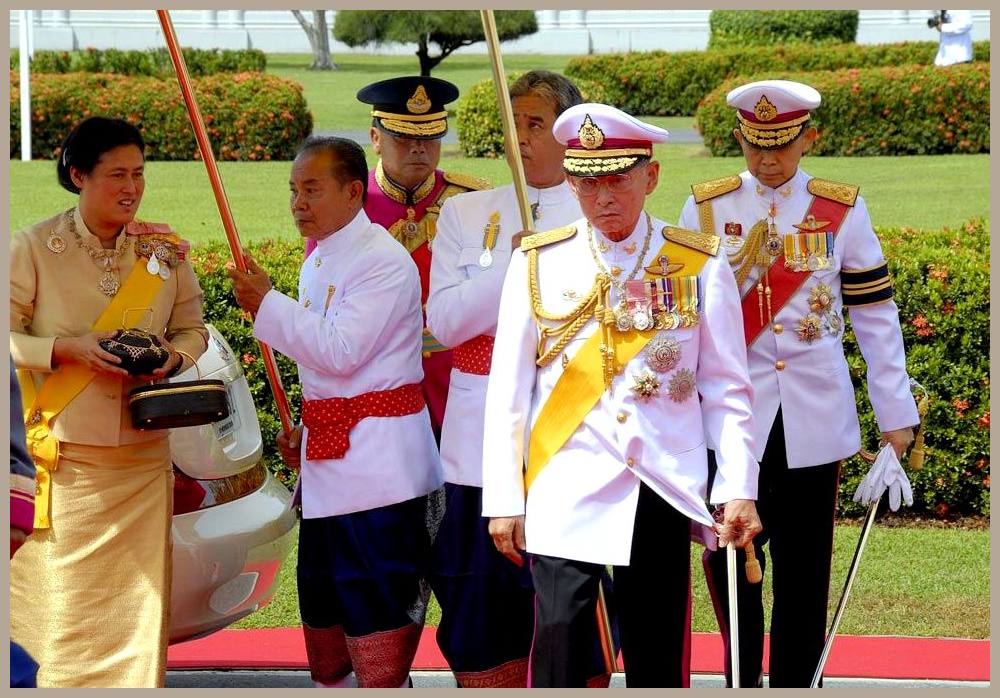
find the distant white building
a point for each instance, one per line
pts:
(559, 31)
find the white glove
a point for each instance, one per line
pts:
(885, 474)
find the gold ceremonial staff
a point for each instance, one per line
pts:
(180, 67)
(513, 151)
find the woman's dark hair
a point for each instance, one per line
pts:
(88, 141)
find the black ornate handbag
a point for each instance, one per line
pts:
(141, 352)
(171, 405)
(182, 404)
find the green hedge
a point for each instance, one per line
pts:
(157, 61)
(909, 110)
(755, 27)
(942, 287)
(665, 83)
(480, 133)
(282, 259)
(249, 116)
(942, 290)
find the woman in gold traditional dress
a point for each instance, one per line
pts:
(90, 589)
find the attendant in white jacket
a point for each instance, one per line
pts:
(367, 455)
(803, 252)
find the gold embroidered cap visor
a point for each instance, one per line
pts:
(595, 163)
(411, 106)
(771, 136)
(406, 126)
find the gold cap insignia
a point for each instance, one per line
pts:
(419, 103)
(764, 110)
(591, 137)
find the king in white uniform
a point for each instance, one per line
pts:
(803, 250)
(487, 601)
(621, 352)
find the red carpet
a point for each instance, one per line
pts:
(852, 656)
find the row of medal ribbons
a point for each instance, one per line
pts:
(661, 304)
(808, 251)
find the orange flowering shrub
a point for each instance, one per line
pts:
(249, 116)
(941, 283)
(672, 83)
(905, 110)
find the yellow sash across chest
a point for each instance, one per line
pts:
(41, 408)
(582, 382)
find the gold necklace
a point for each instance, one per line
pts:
(623, 320)
(107, 260)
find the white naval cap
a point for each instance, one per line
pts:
(772, 113)
(603, 140)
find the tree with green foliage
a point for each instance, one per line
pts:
(447, 29)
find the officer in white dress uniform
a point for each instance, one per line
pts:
(956, 38)
(621, 350)
(802, 250)
(368, 455)
(487, 601)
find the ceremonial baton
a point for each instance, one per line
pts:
(916, 462)
(513, 151)
(851, 573)
(734, 617)
(201, 135)
(510, 144)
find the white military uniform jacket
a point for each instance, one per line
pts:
(356, 328)
(813, 387)
(465, 298)
(582, 505)
(956, 39)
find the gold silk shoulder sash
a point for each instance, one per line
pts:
(68, 381)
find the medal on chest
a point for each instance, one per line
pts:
(410, 224)
(490, 233)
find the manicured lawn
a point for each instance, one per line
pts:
(931, 582)
(918, 191)
(331, 94)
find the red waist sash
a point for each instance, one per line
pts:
(330, 421)
(474, 356)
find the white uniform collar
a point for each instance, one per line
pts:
(343, 240)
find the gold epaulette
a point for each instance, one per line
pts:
(537, 240)
(470, 182)
(703, 242)
(703, 191)
(845, 194)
